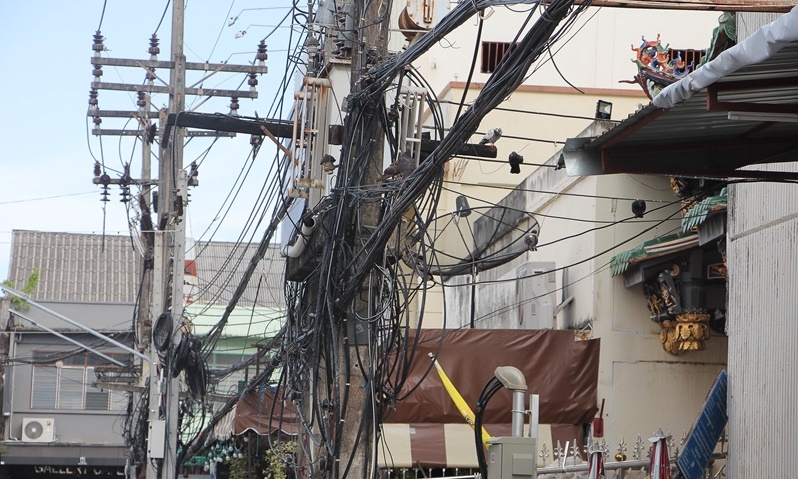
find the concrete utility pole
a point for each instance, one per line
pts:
(169, 258)
(372, 43)
(165, 242)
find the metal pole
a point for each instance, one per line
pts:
(518, 413)
(534, 415)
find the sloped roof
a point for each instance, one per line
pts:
(712, 122)
(221, 266)
(654, 248)
(701, 210)
(92, 268)
(86, 268)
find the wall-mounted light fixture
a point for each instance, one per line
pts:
(603, 110)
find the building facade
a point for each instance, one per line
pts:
(66, 405)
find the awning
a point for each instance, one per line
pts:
(427, 430)
(453, 445)
(561, 369)
(737, 110)
(260, 413)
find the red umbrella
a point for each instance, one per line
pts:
(660, 463)
(596, 463)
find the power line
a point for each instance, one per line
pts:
(42, 198)
(560, 193)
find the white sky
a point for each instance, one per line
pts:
(46, 162)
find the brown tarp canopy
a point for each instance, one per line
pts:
(559, 368)
(257, 411)
(562, 370)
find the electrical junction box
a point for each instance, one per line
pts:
(156, 439)
(512, 458)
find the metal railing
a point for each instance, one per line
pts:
(571, 462)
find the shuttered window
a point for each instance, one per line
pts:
(71, 384)
(45, 388)
(66, 383)
(492, 55)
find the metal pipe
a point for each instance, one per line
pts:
(518, 413)
(534, 415)
(295, 250)
(74, 323)
(67, 338)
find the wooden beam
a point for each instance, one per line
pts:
(727, 5)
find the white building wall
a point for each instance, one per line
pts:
(597, 57)
(645, 388)
(763, 280)
(595, 53)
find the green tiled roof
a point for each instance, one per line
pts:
(621, 261)
(698, 213)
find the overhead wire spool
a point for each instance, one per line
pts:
(180, 358)
(162, 332)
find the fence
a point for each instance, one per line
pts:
(570, 462)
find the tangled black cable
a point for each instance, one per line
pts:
(488, 391)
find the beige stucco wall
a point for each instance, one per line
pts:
(595, 53)
(645, 387)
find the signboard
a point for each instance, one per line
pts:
(706, 431)
(68, 472)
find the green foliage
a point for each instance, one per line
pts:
(240, 467)
(277, 459)
(20, 304)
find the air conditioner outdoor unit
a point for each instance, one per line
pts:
(38, 429)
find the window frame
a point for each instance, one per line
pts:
(83, 361)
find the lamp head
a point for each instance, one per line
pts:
(603, 110)
(511, 378)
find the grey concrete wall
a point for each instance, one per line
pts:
(97, 316)
(71, 426)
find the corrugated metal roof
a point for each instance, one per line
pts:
(76, 267)
(690, 119)
(86, 268)
(221, 266)
(690, 139)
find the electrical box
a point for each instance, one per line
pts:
(512, 458)
(535, 297)
(156, 439)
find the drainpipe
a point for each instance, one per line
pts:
(295, 250)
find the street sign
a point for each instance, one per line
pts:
(706, 431)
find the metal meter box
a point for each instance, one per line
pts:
(512, 458)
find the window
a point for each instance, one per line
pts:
(222, 360)
(492, 55)
(65, 382)
(687, 56)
